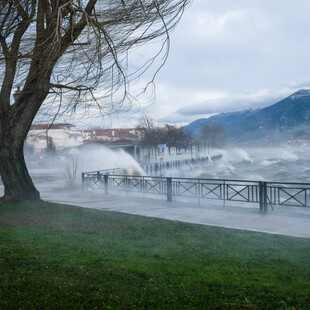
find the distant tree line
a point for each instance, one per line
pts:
(210, 136)
(169, 135)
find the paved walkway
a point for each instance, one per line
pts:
(285, 221)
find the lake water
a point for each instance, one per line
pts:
(283, 164)
(277, 164)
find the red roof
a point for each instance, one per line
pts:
(117, 143)
(50, 126)
(115, 133)
(120, 142)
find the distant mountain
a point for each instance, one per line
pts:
(286, 120)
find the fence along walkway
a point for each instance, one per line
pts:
(262, 193)
(159, 167)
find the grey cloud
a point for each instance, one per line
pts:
(237, 102)
(252, 53)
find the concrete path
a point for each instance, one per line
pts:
(285, 221)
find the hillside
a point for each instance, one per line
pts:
(286, 120)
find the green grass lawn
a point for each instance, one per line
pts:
(63, 257)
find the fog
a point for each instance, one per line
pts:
(283, 164)
(277, 164)
(95, 158)
(63, 170)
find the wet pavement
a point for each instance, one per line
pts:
(285, 221)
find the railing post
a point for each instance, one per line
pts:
(126, 185)
(262, 197)
(265, 196)
(224, 194)
(98, 178)
(83, 180)
(106, 184)
(169, 189)
(199, 191)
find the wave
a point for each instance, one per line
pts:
(288, 155)
(100, 158)
(269, 162)
(237, 155)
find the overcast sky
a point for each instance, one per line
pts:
(229, 56)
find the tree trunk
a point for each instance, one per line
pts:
(17, 182)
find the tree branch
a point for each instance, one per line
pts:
(75, 88)
(20, 9)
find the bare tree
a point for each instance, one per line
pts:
(177, 137)
(212, 136)
(71, 169)
(168, 134)
(73, 49)
(145, 122)
(148, 139)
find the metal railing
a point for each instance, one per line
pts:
(159, 167)
(262, 193)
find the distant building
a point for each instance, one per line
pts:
(59, 136)
(127, 139)
(63, 139)
(113, 134)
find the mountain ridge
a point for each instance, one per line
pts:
(287, 119)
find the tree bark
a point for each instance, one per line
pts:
(14, 126)
(15, 177)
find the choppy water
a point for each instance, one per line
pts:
(283, 164)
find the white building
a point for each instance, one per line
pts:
(60, 136)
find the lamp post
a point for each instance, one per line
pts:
(16, 94)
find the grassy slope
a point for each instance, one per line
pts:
(62, 257)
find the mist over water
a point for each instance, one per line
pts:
(102, 158)
(65, 172)
(277, 164)
(282, 164)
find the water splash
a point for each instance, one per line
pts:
(95, 158)
(237, 155)
(283, 164)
